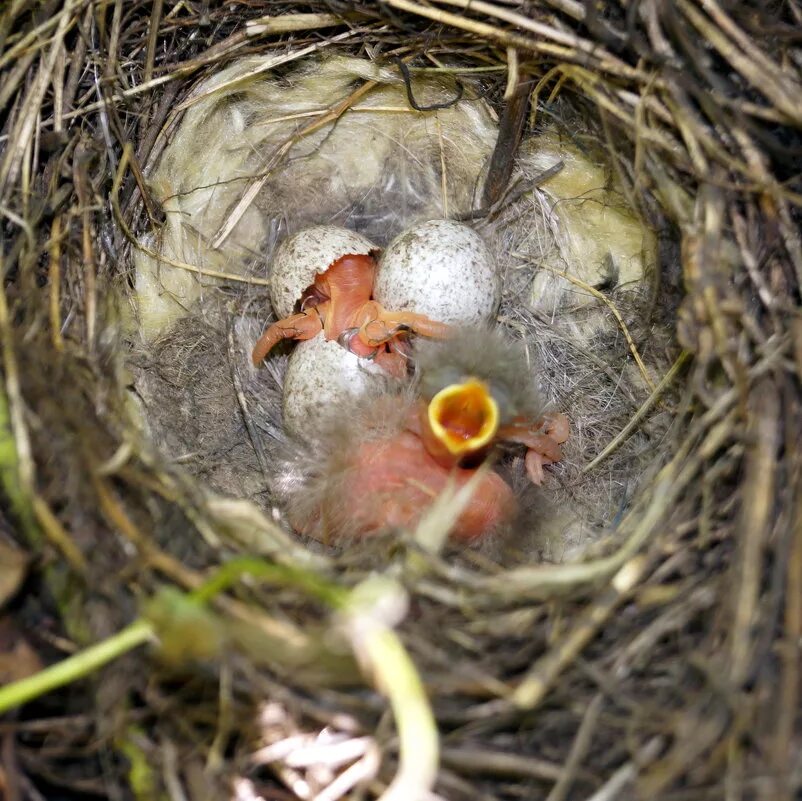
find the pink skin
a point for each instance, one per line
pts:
(393, 482)
(542, 440)
(340, 301)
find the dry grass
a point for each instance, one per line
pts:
(664, 665)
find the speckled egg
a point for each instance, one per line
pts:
(442, 269)
(304, 255)
(322, 376)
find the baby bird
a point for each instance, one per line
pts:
(477, 390)
(339, 303)
(370, 473)
(383, 463)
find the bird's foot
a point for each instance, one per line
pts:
(305, 325)
(542, 440)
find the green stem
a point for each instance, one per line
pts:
(418, 741)
(234, 570)
(74, 667)
(82, 664)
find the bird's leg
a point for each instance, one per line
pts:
(396, 359)
(556, 425)
(378, 325)
(543, 440)
(392, 362)
(304, 325)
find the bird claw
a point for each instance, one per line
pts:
(346, 340)
(304, 325)
(379, 326)
(557, 427)
(542, 440)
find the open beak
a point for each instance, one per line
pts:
(463, 418)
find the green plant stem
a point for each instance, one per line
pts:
(74, 667)
(233, 571)
(418, 742)
(82, 664)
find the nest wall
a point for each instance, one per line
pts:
(663, 663)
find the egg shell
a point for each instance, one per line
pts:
(305, 254)
(442, 269)
(321, 378)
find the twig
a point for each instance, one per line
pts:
(75, 667)
(334, 113)
(54, 280)
(289, 23)
(758, 500)
(543, 674)
(644, 409)
(498, 763)
(610, 305)
(627, 773)
(579, 748)
(153, 35)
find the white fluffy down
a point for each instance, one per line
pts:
(304, 255)
(322, 376)
(377, 168)
(442, 269)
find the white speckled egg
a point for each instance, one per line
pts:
(323, 376)
(304, 255)
(442, 269)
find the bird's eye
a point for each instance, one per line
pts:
(434, 381)
(312, 297)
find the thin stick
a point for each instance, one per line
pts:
(334, 113)
(58, 536)
(544, 673)
(579, 748)
(754, 524)
(75, 667)
(288, 23)
(621, 324)
(11, 387)
(153, 34)
(481, 29)
(666, 381)
(83, 190)
(193, 268)
(266, 66)
(54, 279)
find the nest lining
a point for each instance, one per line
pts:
(381, 171)
(644, 684)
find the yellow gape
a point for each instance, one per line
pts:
(464, 417)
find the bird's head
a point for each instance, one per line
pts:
(472, 384)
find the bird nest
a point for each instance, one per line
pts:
(166, 633)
